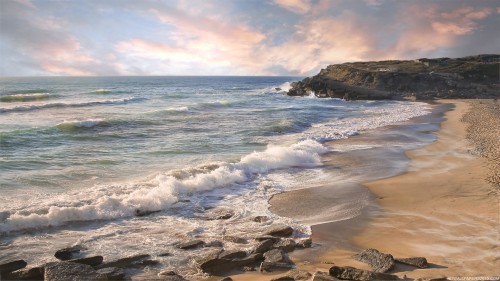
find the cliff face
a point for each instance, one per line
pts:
(468, 77)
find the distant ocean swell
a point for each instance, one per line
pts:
(69, 104)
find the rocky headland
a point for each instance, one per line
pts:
(444, 78)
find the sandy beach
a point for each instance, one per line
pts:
(444, 207)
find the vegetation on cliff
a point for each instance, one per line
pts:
(467, 77)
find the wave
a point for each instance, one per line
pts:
(64, 104)
(101, 92)
(26, 97)
(166, 189)
(180, 108)
(74, 124)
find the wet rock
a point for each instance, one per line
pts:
(283, 278)
(268, 237)
(215, 244)
(165, 255)
(226, 279)
(379, 262)
(170, 276)
(216, 214)
(144, 263)
(275, 259)
(92, 261)
(299, 275)
(249, 268)
(237, 240)
(304, 243)
(123, 262)
(216, 265)
(112, 273)
(34, 273)
(263, 246)
(12, 266)
(419, 262)
(68, 253)
(63, 271)
(261, 219)
(191, 244)
(142, 213)
(232, 255)
(351, 273)
(280, 230)
(323, 276)
(287, 244)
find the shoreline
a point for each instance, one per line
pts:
(441, 208)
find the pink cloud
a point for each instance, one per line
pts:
(296, 6)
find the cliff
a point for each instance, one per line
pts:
(467, 77)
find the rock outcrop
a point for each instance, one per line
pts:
(351, 273)
(468, 77)
(379, 262)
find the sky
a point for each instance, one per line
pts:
(234, 37)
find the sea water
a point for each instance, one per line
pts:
(129, 165)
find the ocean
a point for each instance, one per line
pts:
(129, 165)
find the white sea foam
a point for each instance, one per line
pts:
(89, 123)
(180, 108)
(167, 189)
(68, 104)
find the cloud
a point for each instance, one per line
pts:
(296, 6)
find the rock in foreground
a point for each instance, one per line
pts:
(351, 273)
(419, 262)
(379, 262)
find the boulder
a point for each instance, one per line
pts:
(216, 265)
(275, 259)
(323, 276)
(192, 244)
(226, 279)
(111, 273)
(263, 246)
(68, 253)
(12, 266)
(268, 237)
(234, 239)
(351, 273)
(123, 262)
(379, 262)
(304, 243)
(63, 271)
(216, 214)
(34, 273)
(280, 230)
(286, 244)
(92, 261)
(419, 262)
(283, 278)
(232, 255)
(170, 276)
(215, 244)
(299, 275)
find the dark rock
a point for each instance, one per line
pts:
(63, 271)
(165, 255)
(304, 243)
(226, 279)
(170, 276)
(275, 259)
(299, 275)
(234, 239)
(379, 262)
(216, 265)
(286, 244)
(249, 268)
(263, 246)
(191, 244)
(142, 213)
(261, 219)
(34, 273)
(167, 273)
(68, 253)
(419, 262)
(216, 214)
(232, 255)
(323, 276)
(12, 266)
(351, 273)
(111, 273)
(92, 261)
(123, 262)
(283, 278)
(280, 230)
(215, 244)
(146, 262)
(268, 237)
